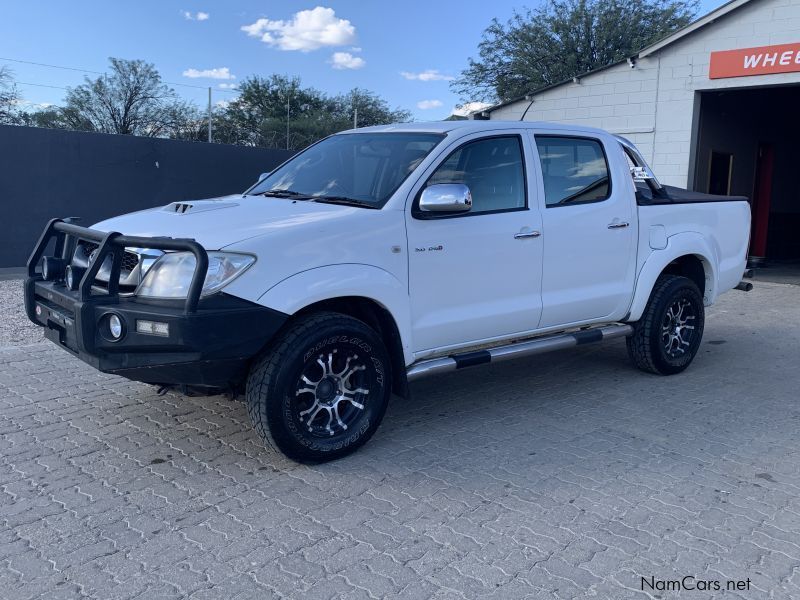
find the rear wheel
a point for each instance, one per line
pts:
(666, 339)
(322, 389)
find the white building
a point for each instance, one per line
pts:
(713, 107)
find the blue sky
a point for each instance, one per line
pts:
(333, 45)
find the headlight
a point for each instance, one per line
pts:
(170, 275)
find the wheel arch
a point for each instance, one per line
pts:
(340, 288)
(688, 255)
(691, 266)
(374, 314)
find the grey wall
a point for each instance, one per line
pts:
(46, 173)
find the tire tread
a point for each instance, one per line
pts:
(265, 369)
(639, 343)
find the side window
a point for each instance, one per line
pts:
(574, 170)
(492, 169)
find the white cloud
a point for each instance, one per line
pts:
(465, 110)
(28, 104)
(428, 104)
(345, 60)
(20, 103)
(307, 30)
(198, 16)
(228, 86)
(427, 75)
(218, 73)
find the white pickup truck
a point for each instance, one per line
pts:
(383, 254)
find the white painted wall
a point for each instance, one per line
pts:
(653, 103)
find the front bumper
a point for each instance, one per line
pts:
(211, 347)
(209, 342)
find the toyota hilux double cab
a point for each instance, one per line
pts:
(384, 254)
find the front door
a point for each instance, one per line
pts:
(589, 230)
(476, 275)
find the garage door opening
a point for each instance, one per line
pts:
(747, 145)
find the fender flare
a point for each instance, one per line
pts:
(336, 281)
(678, 245)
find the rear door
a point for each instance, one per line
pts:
(475, 276)
(589, 228)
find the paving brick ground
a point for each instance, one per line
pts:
(571, 475)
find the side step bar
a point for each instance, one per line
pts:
(517, 350)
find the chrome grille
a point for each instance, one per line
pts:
(129, 275)
(129, 259)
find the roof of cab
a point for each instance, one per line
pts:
(470, 126)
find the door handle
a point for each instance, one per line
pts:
(526, 234)
(618, 225)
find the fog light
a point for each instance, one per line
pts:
(52, 268)
(152, 328)
(115, 326)
(73, 276)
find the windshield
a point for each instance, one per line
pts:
(352, 168)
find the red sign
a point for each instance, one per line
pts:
(764, 60)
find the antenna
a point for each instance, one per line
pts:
(527, 97)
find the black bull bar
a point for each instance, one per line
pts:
(113, 244)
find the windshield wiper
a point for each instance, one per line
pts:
(284, 194)
(343, 200)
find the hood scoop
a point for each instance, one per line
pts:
(196, 206)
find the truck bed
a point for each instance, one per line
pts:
(676, 195)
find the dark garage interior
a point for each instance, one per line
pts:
(747, 144)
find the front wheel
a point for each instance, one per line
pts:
(322, 389)
(666, 339)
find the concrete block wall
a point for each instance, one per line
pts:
(653, 104)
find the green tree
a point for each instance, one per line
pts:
(130, 99)
(562, 39)
(48, 118)
(372, 109)
(258, 116)
(9, 98)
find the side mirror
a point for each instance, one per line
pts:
(263, 176)
(446, 198)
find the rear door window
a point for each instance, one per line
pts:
(574, 170)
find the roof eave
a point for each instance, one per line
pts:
(531, 95)
(692, 27)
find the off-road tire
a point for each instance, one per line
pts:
(274, 394)
(647, 347)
